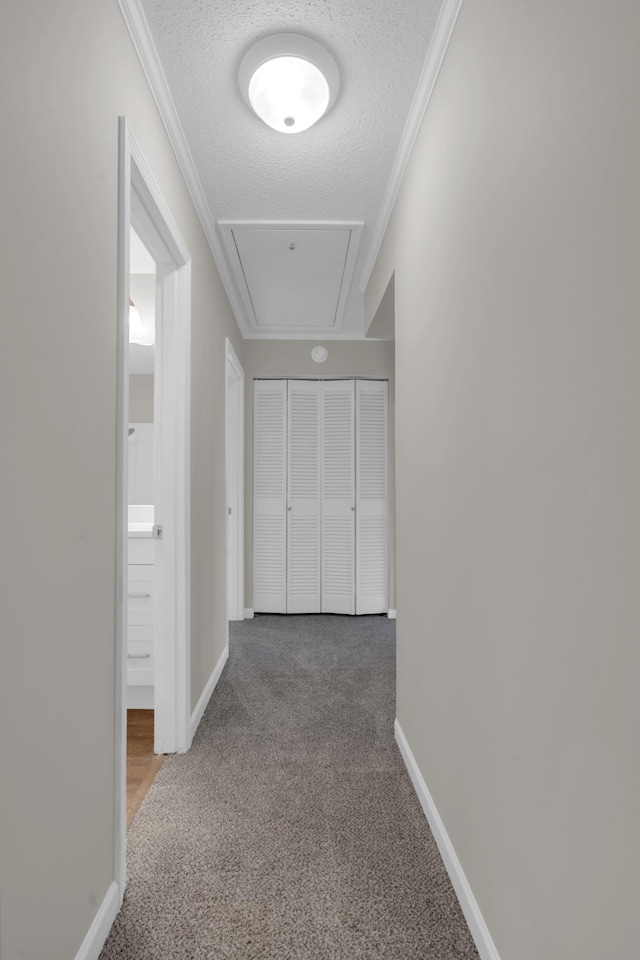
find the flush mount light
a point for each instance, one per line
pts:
(289, 80)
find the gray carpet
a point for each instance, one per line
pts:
(291, 830)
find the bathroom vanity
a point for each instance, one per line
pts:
(140, 606)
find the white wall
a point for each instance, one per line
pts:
(141, 398)
(292, 358)
(517, 284)
(67, 72)
(140, 487)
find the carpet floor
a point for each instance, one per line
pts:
(291, 830)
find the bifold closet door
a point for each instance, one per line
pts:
(338, 497)
(372, 496)
(303, 507)
(270, 496)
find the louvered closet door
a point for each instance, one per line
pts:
(338, 497)
(372, 496)
(303, 531)
(270, 496)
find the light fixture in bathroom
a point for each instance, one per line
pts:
(139, 332)
(289, 80)
(135, 322)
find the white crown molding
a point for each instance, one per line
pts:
(250, 328)
(145, 48)
(426, 85)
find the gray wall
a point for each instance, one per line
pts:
(516, 245)
(67, 72)
(140, 398)
(292, 358)
(383, 323)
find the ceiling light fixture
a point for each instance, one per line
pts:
(289, 80)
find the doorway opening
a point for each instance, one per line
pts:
(142, 762)
(152, 658)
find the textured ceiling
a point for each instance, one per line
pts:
(337, 170)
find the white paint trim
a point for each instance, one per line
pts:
(248, 613)
(435, 56)
(475, 920)
(234, 482)
(249, 320)
(172, 511)
(102, 922)
(145, 48)
(299, 333)
(212, 682)
(391, 613)
(122, 470)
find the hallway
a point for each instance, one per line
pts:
(291, 829)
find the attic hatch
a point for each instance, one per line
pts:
(293, 276)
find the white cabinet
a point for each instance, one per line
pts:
(140, 611)
(321, 501)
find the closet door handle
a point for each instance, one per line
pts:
(138, 656)
(138, 596)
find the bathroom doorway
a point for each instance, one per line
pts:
(160, 656)
(142, 762)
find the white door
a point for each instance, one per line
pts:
(270, 496)
(372, 495)
(303, 531)
(338, 497)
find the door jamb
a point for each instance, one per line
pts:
(141, 205)
(234, 453)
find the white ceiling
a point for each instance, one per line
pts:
(292, 276)
(338, 170)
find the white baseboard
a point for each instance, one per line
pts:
(479, 930)
(201, 705)
(248, 613)
(140, 697)
(102, 922)
(391, 614)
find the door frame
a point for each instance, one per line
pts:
(234, 482)
(142, 206)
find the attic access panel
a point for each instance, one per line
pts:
(293, 276)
